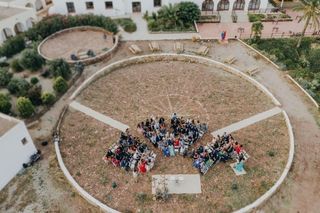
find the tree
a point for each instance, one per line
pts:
(5, 105)
(31, 60)
(34, 94)
(256, 29)
(60, 85)
(25, 107)
(168, 15)
(15, 65)
(18, 86)
(311, 13)
(60, 67)
(5, 77)
(188, 12)
(34, 80)
(12, 46)
(48, 98)
(314, 60)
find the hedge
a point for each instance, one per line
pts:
(54, 23)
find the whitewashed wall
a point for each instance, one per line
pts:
(13, 153)
(124, 7)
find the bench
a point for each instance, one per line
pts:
(178, 47)
(135, 49)
(203, 50)
(154, 46)
(252, 71)
(230, 60)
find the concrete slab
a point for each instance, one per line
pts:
(100, 117)
(177, 184)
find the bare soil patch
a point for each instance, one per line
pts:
(85, 141)
(63, 45)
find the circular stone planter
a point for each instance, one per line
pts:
(90, 60)
(184, 58)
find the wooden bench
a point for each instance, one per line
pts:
(203, 50)
(178, 47)
(154, 46)
(252, 71)
(135, 49)
(230, 60)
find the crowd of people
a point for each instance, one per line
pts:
(174, 138)
(130, 153)
(222, 148)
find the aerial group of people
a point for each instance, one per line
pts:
(130, 153)
(221, 149)
(175, 137)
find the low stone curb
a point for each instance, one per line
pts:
(304, 91)
(87, 61)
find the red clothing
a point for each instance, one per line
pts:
(238, 150)
(142, 168)
(176, 143)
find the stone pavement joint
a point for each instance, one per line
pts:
(247, 122)
(98, 116)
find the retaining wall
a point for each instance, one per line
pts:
(87, 61)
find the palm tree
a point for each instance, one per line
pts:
(311, 12)
(168, 14)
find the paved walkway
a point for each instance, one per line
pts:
(142, 32)
(98, 116)
(213, 30)
(247, 122)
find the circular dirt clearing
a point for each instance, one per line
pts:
(132, 93)
(77, 41)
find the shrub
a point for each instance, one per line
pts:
(48, 98)
(12, 46)
(60, 85)
(25, 107)
(34, 94)
(31, 60)
(18, 86)
(188, 12)
(5, 104)
(127, 24)
(15, 65)
(34, 80)
(5, 77)
(255, 17)
(60, 67)
(314, 60)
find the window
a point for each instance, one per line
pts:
(89, 5)
(109, 4)
(254, 5)
(157, 3)
(24, 141)
(70, 7)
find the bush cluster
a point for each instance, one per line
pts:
(60, 85)
(54, 23)
(5, 77)
(25, 107)
(60, 67)
(18, 87)
(177, 17)
(127, 24)
(12, 46)
(5, 105)
(31, 60)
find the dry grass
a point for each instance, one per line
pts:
(133, 93)
(85, 140)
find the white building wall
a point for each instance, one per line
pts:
(13, 153)
(124, 7)
(24, 18)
